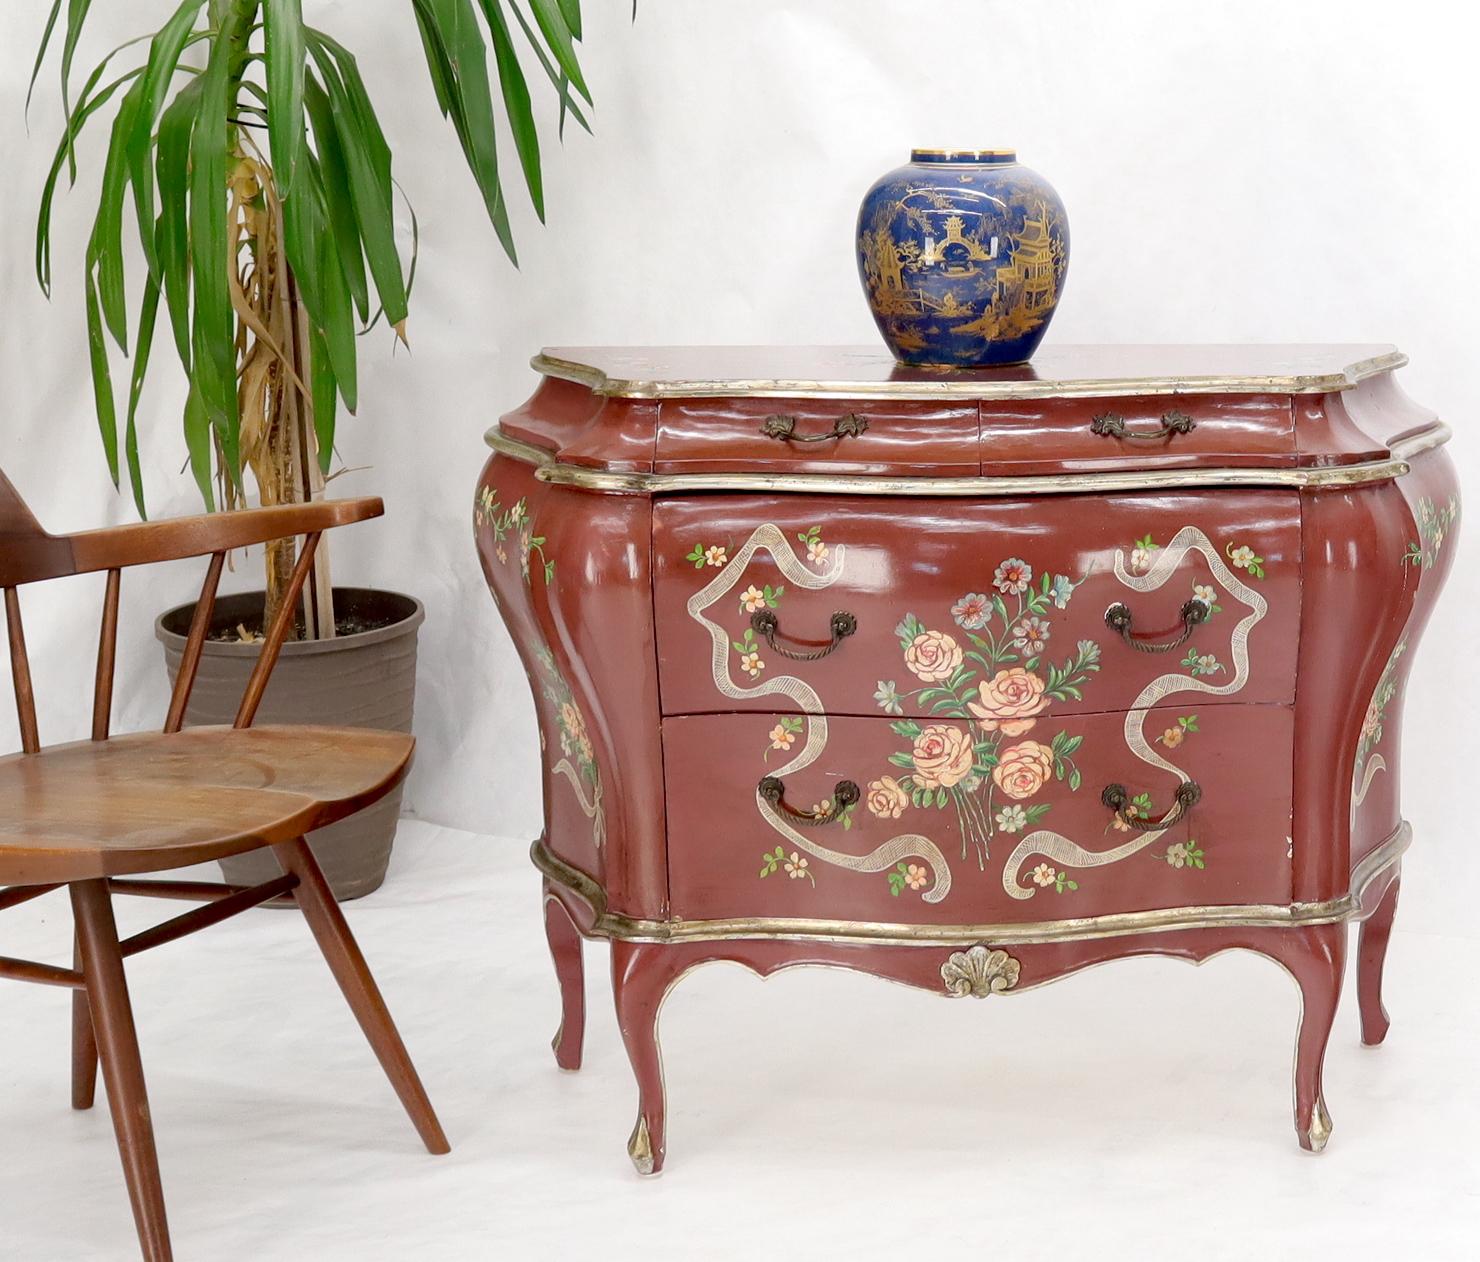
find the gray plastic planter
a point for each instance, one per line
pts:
(363, 680)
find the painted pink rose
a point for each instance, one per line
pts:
(1009, 701)
(943, 756)
(933, 656)
(887, 798)
(1023, 769)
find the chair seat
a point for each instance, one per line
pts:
(149, 801)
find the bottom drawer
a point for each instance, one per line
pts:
(956, 825)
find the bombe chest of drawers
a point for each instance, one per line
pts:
(968, 680)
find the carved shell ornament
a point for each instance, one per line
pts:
(979, 972)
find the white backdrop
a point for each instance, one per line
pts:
(1234, 170)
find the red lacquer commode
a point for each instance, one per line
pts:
(969, 680)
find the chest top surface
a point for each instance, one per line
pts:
(849, 420)
(666, 372)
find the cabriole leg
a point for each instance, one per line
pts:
(570, 970)
(1372, 945)
(1317, 958)
(641, 975)
(112, 1019)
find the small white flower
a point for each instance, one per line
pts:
(1177, 855)
(796, 866)
(1241, 557)
(1043, 875)
(817, 552)
(1203, 592)
(1011, 819)
(751, 664)
(715, 556)
(887, 695)
(752, 598)
(1140, 560)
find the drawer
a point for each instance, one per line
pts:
(975, 609)
(963, 827)
(1036, 436)
(842, 436)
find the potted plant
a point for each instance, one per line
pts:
(246, 145)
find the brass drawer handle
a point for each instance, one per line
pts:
(768, 626)
(1112, 425)
(1118, 800)
(1194, 613)
(844, 795)
(783, 429)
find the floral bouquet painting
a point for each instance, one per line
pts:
(988, 686)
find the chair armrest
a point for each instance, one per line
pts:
(142, 543)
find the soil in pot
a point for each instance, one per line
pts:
(364, 677)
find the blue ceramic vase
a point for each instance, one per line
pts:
(963, 256)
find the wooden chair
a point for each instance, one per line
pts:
(95, 814)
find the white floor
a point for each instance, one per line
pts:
(1139, 1110)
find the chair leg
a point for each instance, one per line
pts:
(342, 953)
(112, 1020)
(84, 1045)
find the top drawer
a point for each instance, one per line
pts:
(839, 436)
(1035, 436)
(968, 439)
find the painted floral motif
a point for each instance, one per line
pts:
(784, 735)
(1023, 769)
(1141, 554)
(708, 554)
(1013, 577)
(887, 696)
(515, 522)
(1208, 594)
(1368, 761)
(1139, 807)
(1012, 819)
(578, 756)
(913, 876)
(793, 865)
(1173, 736)
(993, 680)
(1433, 527)
(767, 597)
(817, 551)
(1201, 663)
(1046, 876)
(575, 739)
(932, 656)
(887, 798)
(1185, 854)
(1244, 558)
(748, 649)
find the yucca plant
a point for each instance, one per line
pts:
(261, 183)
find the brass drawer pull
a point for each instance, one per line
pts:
(768, 626)
(1112, 425)
(844, 795)
(1118, 800)
(1194, 614)
(783, 429)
